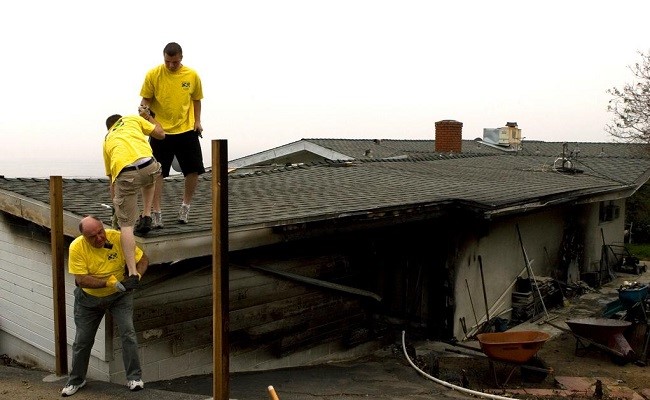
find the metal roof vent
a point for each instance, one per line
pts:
(566, 162)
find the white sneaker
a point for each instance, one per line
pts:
(157, 222)
(184, 214)
(136, 385)
(69, 390)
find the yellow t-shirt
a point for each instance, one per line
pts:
(125, 143)
(85, 259)
(172, 95)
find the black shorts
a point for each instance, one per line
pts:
(185, 146)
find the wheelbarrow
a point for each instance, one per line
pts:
(634, 297)
(603, 333)
(632, 293)
(516, 348)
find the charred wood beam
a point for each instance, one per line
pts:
(321, 283)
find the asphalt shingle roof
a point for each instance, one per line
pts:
(330, 190)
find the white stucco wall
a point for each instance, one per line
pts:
(612, 231)
(503, 260)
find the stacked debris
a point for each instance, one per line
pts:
(526, 300)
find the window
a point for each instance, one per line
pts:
(609, 211)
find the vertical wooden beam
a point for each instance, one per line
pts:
(58, 274)
(220, 275)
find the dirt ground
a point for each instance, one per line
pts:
(19, 382)
(561, 354)
(558, 355)
(454, 364)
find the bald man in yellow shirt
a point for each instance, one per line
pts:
(97, 262)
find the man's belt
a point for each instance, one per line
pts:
(135, 167)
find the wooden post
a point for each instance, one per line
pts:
(220, 275)
(272, 394)
(58, 277)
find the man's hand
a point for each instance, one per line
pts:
(198, 128)
(113, 282)
(132, 282)
(144, 112)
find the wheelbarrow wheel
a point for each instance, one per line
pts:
(618, 360)
(535, 370)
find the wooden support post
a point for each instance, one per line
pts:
(272, 394)
(220, 275)
(58, 275)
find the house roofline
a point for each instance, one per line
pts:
(291, 148)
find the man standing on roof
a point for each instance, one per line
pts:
(174, 92)
(131, 169)
(97, 262)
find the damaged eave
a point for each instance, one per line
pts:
(362, 219)
(572, 198)
(171, 248)
(36, 212)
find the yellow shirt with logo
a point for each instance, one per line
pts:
(125, 143)
(85, 259)
(172, 95)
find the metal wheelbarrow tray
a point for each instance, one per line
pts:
(606, 332)
(514, 347)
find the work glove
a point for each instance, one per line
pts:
(113, 282)
(131, 282)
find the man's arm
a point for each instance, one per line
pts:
(142, 265)
(158, 131)
(197, 116)
(89, 281)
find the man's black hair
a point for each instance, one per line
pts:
(110, 121)
(172, 49)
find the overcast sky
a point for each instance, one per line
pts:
(278, 71)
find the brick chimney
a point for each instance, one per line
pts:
(449, 136)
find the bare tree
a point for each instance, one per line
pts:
(631, 105)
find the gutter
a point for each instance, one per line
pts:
(582, 198)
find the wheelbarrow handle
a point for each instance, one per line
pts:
(464, 346)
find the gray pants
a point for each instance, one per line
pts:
(88, 313)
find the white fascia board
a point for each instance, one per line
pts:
(282, 151)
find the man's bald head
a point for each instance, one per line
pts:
(93, 231)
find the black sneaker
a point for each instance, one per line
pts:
(143, 225)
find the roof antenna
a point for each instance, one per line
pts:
(564, 163)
